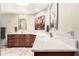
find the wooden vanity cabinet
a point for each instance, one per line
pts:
(21, 40)
(29, 40)
(10, 40)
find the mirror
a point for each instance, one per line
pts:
(22, 23)
(53, 16)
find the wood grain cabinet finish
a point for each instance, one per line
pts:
(21, 40)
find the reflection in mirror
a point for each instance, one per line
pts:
(53, 16)
(22, 24)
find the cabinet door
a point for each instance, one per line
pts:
(10, 40)
(21, 40)
(32, 39)
(16, 40)
(27, 40)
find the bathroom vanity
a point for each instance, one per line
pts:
(20, 40)
(52, 47)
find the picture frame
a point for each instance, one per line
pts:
(40, 23)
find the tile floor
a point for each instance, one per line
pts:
(17, 51)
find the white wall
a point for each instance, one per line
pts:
(30, 23)
(69, 18)
(8, 21)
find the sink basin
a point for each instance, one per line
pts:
(43, 36)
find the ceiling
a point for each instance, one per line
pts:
(30, 8)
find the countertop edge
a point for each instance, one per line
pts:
(54, 50)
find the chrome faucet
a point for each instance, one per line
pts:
(51, 34)
(72, 34)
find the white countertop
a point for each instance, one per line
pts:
(21, 33)
(29, 32)
(51, 45)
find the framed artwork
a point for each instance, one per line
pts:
(40, 23)
(53, 16)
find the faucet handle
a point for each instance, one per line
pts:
(51, 35)
(71, 33)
